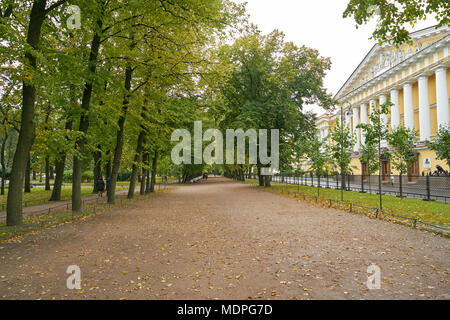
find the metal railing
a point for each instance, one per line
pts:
(424, 187)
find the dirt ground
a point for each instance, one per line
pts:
(225, 240)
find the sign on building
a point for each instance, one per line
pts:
(427, 163)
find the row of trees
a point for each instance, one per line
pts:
(106, 95)
(401, 141)
(104, 90)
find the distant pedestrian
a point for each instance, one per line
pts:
(100, 186)
(392, 179)
(108, 183)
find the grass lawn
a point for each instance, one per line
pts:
(38, 222)
(38, 194)
(426, 211)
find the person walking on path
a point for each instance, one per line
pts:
(100, 186)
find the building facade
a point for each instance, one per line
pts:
(415, 79)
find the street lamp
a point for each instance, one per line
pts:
(348, 113)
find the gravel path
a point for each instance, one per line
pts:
(224, 240)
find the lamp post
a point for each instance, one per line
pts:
(349, 112)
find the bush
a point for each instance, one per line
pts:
(67, 177)
(124, 175)
(87, 176)
(7, 172)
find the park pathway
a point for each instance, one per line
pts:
(225, 240)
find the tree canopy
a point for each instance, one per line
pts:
(393, 16)
(101, 98)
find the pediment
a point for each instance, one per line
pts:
(382, 58)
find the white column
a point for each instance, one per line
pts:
(383, 117)
(408, 106)
(363, 120)
(356, 130)
(395, 111)
(443, 113)
(424, 109)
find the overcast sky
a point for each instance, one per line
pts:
(319, 24)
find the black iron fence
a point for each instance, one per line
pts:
(425, 187)
(421, 187)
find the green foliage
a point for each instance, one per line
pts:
(402, 141)
(267, 83)
(394, 15)
(442, 144)
(369, 155)
(318, 154)
(342, 146)
(374, 132)
(87, 176)
(7, 172)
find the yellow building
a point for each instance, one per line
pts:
(415, 78)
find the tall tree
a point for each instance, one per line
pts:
(375, 132)
(341, 149)
(268, 84)
(38, 14)
(402, 141)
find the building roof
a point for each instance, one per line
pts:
(349, 84)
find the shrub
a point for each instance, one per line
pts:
(67, 177)
(7, 172)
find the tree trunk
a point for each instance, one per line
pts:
(260, 178)
(142, 190)
(2, 161)
(59, 169)
(267, 180)
(108, 165)
(119, 138)
(134, 171)
(57, 184)
(27, 187)
(147, 174)
(97, 168)
(84, 121)
(154, 166)
(52, 173)
(47, 173)
(26, 134)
